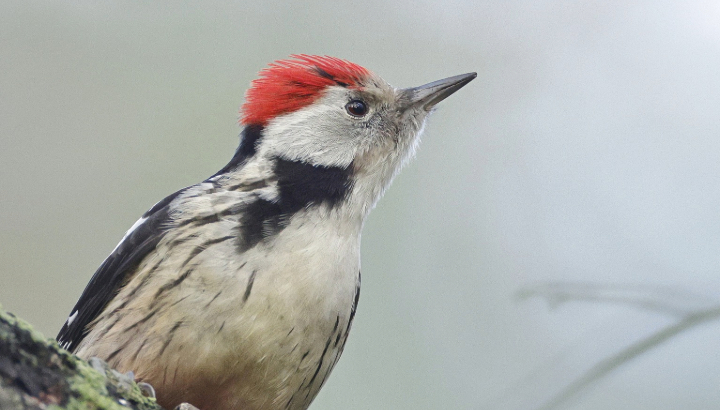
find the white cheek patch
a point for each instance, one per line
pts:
(318, 134)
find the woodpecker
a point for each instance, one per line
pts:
(239, 292)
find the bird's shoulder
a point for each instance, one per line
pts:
(188, 209)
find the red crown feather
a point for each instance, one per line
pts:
(288, 85)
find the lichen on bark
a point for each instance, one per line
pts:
(36, 373)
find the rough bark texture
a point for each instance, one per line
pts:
(35, 373)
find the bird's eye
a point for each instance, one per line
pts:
(356, 108)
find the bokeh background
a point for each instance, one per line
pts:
(555, 244)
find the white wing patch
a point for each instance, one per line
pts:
(66, 343)
(129, 231)
(72, 318)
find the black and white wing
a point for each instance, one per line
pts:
(140, 240)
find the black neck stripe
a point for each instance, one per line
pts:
(249, 138)
(300, 186)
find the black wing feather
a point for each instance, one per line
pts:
(112, 274)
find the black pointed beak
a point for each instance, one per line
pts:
(428, 95)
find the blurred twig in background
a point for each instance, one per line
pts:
(689, 309)
(662, 299)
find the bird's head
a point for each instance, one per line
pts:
(324, 121)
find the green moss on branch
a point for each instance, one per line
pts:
(35, 373)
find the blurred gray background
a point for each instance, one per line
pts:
(555, 244)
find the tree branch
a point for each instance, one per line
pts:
(35, 373)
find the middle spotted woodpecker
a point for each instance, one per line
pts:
(239, 292)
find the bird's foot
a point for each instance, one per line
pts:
(146, 389)
(125, 380)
